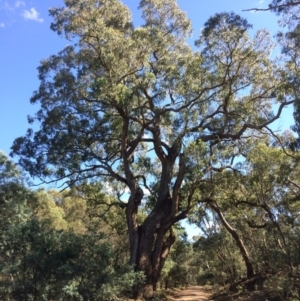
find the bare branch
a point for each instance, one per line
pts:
(274, 7)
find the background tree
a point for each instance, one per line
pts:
(289, 40)
(139, 109)
(254, 203)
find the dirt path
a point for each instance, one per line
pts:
(192, 293)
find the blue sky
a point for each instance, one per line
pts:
(26, 38)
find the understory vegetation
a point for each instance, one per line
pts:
(141, 131)
(69, 246)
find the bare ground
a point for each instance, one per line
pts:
(192, 293)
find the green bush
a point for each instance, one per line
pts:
(38, 263)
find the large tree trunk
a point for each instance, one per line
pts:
(151, 261)
(151, 246)
(150, 242)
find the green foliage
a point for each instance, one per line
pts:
(223, 90)
(289, 39)
(8, 170)
(217, 249)
(43, 256)
(139, 110)
(39, 263)
(257, 200)
(180, 269)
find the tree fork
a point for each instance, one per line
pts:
(151, 260)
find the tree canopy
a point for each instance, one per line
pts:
(142, 111)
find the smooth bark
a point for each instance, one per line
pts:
(240, 244)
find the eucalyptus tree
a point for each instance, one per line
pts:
(257, 204)
(282, 7)
(289, 40)
(140, 110)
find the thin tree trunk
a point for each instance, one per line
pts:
(240, 244)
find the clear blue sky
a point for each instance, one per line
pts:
(26, 38)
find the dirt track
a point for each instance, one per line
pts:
(192, 293)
